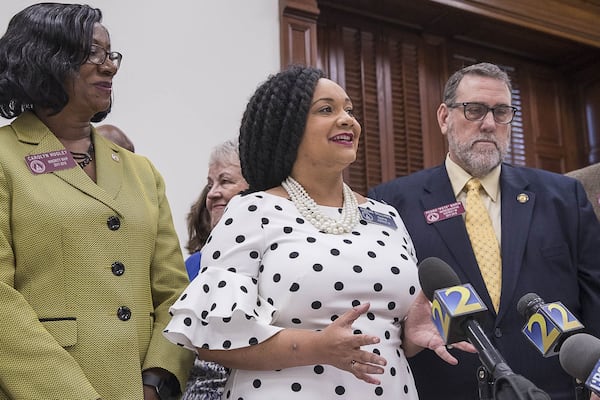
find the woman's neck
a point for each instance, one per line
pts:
(72, 132)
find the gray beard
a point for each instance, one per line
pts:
(478, 164)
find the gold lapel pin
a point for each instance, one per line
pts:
(522, 198)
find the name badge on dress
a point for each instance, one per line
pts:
(375, 217)
(444, 212)
(45, 163)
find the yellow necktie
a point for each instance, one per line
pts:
(484, 241)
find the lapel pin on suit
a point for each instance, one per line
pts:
(522, 198)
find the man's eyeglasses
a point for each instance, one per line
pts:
(98, 56)
(478, 111)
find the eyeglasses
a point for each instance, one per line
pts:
(478, 111)
(99, 54)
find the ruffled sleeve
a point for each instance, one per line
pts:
(222, 308)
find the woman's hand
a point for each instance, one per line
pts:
(420, 333)
(342, 348)
(336, 345)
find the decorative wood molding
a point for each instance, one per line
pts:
(298, 32)
(591, 97)
(574, 20)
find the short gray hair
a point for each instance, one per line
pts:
(227, 152)
(482, 69)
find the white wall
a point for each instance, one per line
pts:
(189, 67)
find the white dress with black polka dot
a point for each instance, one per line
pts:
(265, 269)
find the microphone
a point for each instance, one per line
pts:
(579, 356)
(548, 325)
(454, 310)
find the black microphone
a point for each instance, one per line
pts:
(579, 356)
(455, 308)
(547, 325)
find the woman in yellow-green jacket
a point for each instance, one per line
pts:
(89, 258)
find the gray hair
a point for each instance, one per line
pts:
(227, 152)
(482, 69)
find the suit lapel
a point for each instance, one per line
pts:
(517, 211)
(31, 130)
(438, 192)
(108, 165)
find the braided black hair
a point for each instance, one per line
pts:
(273, 125)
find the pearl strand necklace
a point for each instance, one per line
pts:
(310, 209)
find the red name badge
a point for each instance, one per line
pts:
(444, 212)
(45, 163)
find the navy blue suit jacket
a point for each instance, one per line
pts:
(550, 246)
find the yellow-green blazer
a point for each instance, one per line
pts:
(83, 304)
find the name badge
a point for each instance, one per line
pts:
(45, 163)
(375, 217)
(444, 212)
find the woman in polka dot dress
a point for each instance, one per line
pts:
(305, 287)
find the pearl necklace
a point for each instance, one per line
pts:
(310, 209)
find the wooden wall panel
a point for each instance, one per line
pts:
(584, 93)
(298, 32)
(432, 64)
(360, 70)
(549, 162)
(551, 114)
(406, 108)
(591, 99)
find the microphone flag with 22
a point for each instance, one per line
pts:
(547, 325)
(451, 301)
(455, 308)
